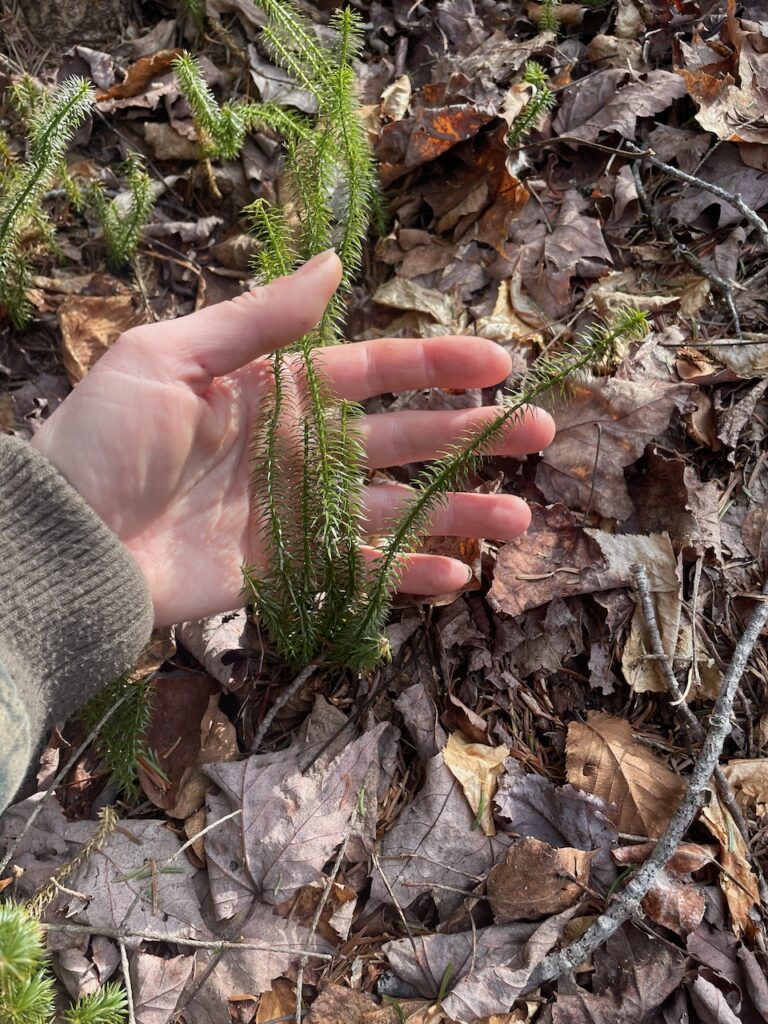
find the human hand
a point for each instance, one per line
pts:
(156, 438)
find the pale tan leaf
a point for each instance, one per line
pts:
(477, 768)
(639, 791)
(737, 879)
(749, 778)
(89, 325)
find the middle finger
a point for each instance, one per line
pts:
(397, 438)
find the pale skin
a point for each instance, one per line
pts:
(156, 438)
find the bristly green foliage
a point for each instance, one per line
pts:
(121, 739)
(549, 376)
(26, 985)
(543, 99)
(315, 576)
(222, 129)
(549, 19)
(315, 598)
(53, 118)
(196, 10)
(123, 222)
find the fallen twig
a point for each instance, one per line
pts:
(557, 964)
(127, 982)
(290, 691)
(733, 199)
(664, 231)
(125, 934)
(724, 788)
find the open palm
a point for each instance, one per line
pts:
(156, 438)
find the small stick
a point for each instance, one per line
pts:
(733, 199)
(594, 475)
(564, 961)
(643, 586)
(124, 934)
(59, 776)
(127, 981)
(280, 702)
(664, 231)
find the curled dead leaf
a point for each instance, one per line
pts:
(477, 767)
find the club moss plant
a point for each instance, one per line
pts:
(316, 597)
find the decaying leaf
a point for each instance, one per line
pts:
(606, 759)
(535, 880)
(157, 985)
(477, 767)
(561, 816)
(434, 846)
(611, 102)
(89, 325)
(485, 969)
(673, 901)
(749, 779)
(737, 880)
(291, 821)
(629, 414)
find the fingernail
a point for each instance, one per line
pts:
(317, 261)
(470, 573)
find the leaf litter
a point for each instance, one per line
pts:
(422, 838)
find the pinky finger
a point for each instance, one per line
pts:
(427, 574)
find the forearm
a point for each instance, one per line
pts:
(75, 610)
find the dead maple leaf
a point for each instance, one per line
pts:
(291, 821)
(477, 767)
(639, 791)
(157, 985)
(535, 880)
(629, 414)
(89, 325)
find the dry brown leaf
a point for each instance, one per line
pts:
(157, 985)
(737, 880)
(535, 880)
(140, 74)
(639, 791)
(749, 779)
(431, 131)
(396, 98)
(335, 1003)
(89, 325)
(477, 768)
(187, 730)
(278, 1002)
(609, 102)
(630, 414)
(561, 816)
(673, 901)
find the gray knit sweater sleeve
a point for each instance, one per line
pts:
(75, 610)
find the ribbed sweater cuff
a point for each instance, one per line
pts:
(75, 610)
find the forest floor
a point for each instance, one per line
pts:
(413, 843)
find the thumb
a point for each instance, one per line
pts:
(220, 339)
